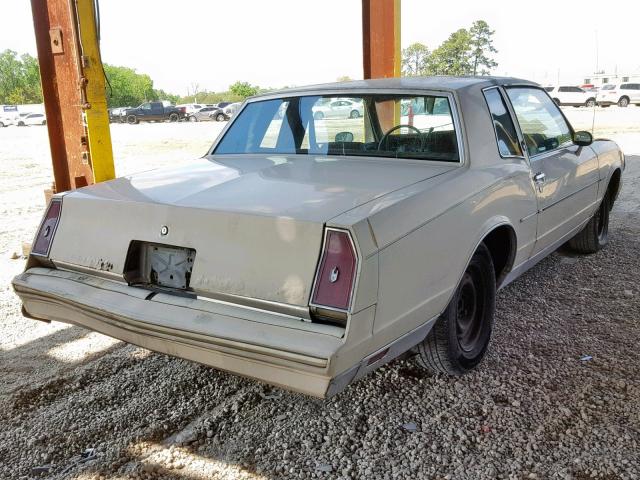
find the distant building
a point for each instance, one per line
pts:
(598, 79)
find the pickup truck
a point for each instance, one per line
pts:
(152, 112)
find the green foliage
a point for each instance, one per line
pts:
(482, 47)
(414, 60)
(453, 57)
(19, 78)
(243, 89)
(128, 88)
(343, 78)
(465, 52)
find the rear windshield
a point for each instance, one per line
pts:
(386, 125)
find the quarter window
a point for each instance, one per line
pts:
(543, 126)
(503, 124)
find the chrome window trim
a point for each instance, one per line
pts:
(453, 107)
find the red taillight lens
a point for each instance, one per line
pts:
(47, 228)
(336, 272)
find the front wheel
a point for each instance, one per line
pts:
(458, 341)
(623, 102)
(595, 235)
(132, 119)
(220, 117)
(590, 103)
(354, 114)
(173, 117)
(193, 119)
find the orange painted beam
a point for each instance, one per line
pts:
(381, 38)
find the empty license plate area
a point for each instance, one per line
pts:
(159, 265)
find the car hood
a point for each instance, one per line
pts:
(305, 188)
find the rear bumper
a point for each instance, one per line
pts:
(278, 349)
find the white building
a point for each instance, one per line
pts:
(598, 79)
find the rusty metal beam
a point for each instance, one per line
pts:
(381, 38)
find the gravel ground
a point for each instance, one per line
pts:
(75, 404)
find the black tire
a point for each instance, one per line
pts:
(623, 102)
(220, 117)
(354, 114)
(193, 119)
(44, 122)
(318, 116)
(595, 235)
(591, 102)
(605, 106)
(2, 125)
(557, 101)
(132, 119)
(21, 124)
(173, 117)
(458, 341)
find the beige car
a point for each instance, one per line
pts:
(307, 252)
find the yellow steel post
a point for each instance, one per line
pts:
(95, 108)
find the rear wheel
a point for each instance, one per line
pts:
(1, 125)
(458, 341)
(595, 235)
(623, 102)
(220, 117)
(132, 119)
(44, 122)
(354, 114)
(193, 119)
(173, 117)
(590, 103)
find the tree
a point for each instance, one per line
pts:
(414, 60)
(344, 78)
(19, 78)
(482, 47)
(453, 57)
(243, 89)
(128, 88)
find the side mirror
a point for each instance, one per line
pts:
(344, 137)
(582, 138)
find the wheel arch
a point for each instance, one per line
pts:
(613, 187)
(501, 240)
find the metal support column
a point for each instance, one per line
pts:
(69, 67)
(381, 38)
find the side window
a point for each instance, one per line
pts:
(543, 126)
(503, 124)
(564, 89)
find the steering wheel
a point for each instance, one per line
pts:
(393, 129)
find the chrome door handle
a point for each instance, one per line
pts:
(539, 178)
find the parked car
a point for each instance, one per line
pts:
(219, 115)
(307, 256)
(116, 114)
(206, 114)
(222, 104)
(231, 109)
(33, 119)
(622, 94)
(338, 108)
(573, 96)
(8, 115)
(20, 119)
(153, 112)
(190, 108)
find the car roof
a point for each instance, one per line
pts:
(436, 82)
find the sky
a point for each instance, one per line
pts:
(211, 44)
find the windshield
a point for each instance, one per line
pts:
(386, 125)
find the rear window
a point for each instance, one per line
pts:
(386, 125)
(608, 87)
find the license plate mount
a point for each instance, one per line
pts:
(168, 266)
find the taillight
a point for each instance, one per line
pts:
(47, 229)
(336, 272)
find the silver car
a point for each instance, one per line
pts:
(307, 253)
(206, 114)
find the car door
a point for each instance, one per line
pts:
(564, 174)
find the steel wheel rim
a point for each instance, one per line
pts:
(469, 314)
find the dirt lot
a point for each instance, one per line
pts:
(533, 410)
